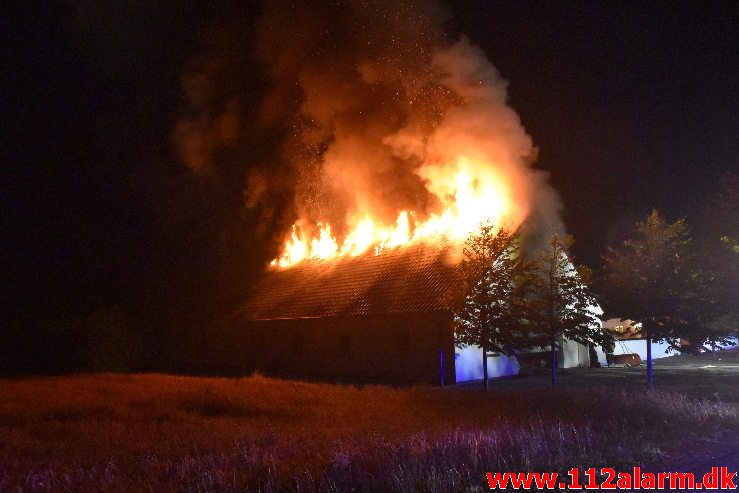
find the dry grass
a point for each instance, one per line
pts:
(164, 433)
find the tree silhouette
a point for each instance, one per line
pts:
(717, 245)
(488, 300)
(655, 280)
(561, 302)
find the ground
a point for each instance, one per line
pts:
(713, 376)
(169, 433)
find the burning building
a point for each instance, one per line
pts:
(370, 318)
(378, 145)
(367, 318)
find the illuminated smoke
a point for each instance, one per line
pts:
(383, 132)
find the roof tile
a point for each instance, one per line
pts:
(410, 279)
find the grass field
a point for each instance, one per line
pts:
(166, 433)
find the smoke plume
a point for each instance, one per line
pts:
(327, 112)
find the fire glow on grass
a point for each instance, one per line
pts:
(469, 193)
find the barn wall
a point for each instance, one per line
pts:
(468, 364)
(392, 348)
(573, 355)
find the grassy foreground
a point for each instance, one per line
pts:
(165, 433)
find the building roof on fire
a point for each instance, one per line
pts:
(403, 280)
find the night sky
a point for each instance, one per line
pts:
(632, 106)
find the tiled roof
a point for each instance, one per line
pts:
(411, 279)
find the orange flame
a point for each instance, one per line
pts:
(470, 193)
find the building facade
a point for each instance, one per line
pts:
(376, 318)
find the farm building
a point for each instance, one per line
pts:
(375, 318)
(630, 342)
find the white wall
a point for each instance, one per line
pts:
(601, 355)
(468, 361)
(574, 355)
(638, 346)
(733, 342)
(468, 364)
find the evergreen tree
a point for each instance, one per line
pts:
(655, 280)
(488, 300)
(561, 302)
(717, 246)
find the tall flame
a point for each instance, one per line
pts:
(469, 193)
